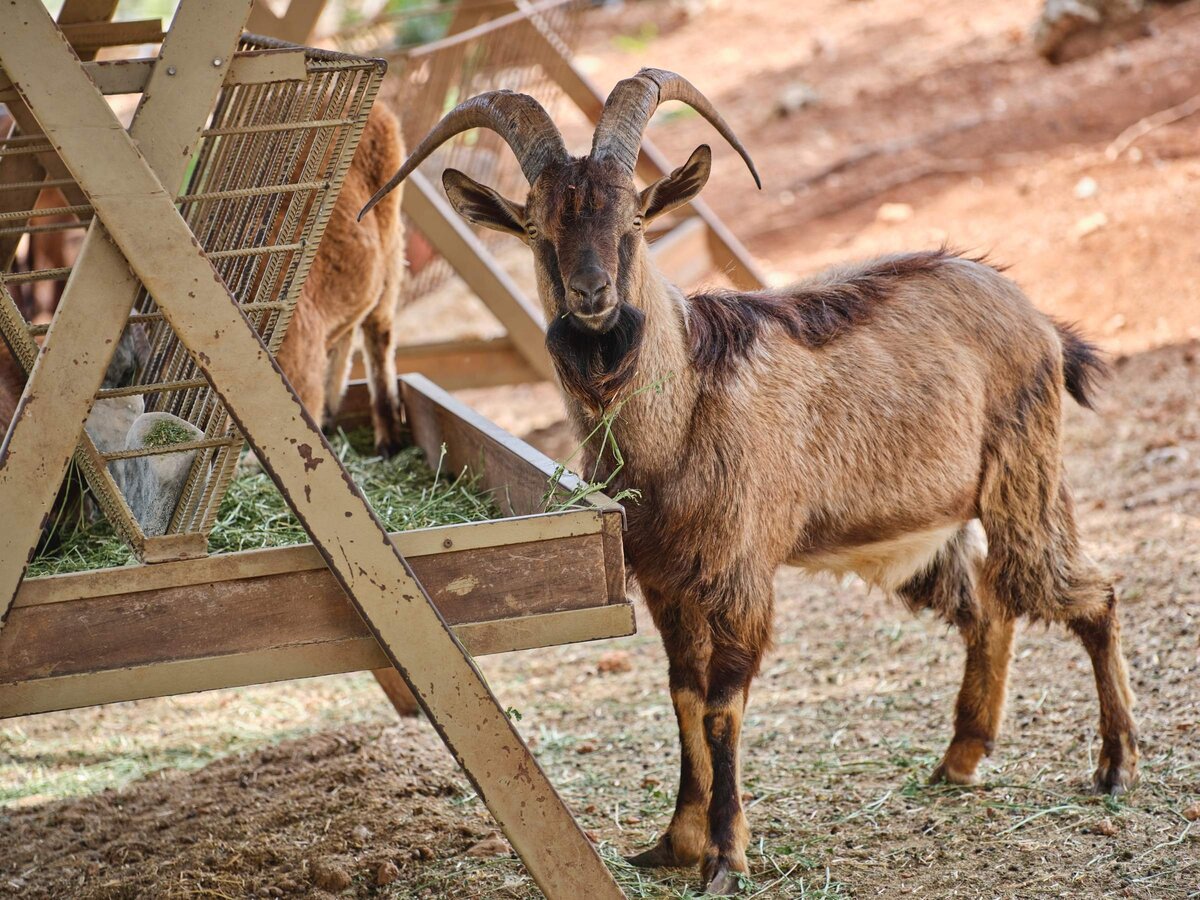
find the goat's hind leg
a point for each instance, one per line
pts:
(379, 345)
(949, 588)
(685, 633)
(1035, 565)
(1092, 617)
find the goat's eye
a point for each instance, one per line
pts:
(531, 230)
(637, 222)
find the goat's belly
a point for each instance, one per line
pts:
(885, 564)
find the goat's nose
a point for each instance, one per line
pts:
(589, 286)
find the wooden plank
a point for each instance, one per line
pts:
(450, 235)
(140, 215)
(300, 558)
(452, 365)
(502, 461)
(94, 35)
(295, 25)
(130, 76)
(682, 254)
(199, 620)
(300, 661)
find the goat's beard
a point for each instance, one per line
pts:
(595, 368)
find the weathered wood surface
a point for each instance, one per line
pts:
(351, 654)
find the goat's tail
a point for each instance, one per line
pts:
(1083, 365)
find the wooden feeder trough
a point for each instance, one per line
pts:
(535, 579)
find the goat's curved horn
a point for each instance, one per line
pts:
(633, 101)
(517, 118)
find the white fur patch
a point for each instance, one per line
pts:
(884, 564)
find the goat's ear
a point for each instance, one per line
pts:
(679, 187)
(480, 205)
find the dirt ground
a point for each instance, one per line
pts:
(313, 789)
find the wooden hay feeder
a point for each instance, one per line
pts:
(212, 277)
(258, 193)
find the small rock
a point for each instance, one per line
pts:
(1086, 187)
(329, 876)
(423, 853)
(894, 213)
(650, 782)
(387, 872)
(591, 836)
(614, 661)
(1089, 225)
(586, 747)
(1106, 827)
(361, 834)
(491, 846)
(1165, 456)
(795, 97)
(1192, 813)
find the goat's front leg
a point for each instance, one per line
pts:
(741, 629)
(685, 633)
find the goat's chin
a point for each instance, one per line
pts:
(600, 323)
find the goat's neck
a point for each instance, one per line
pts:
(652, 415)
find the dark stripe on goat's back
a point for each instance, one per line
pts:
(724, 326)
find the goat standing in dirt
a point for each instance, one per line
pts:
(897, 419)
(354, 283)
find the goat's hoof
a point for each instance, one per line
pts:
(944, 774)
(720, 877)
(661, 856)
(1114, 780)
(1118, 768)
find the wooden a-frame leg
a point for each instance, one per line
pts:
(141, 218)
(397, 692)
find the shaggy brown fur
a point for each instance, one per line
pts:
(354, 284)
(897, 419)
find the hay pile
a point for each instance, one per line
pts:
(404, 492)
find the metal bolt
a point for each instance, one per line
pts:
(217, 61)
(447, 543)
(170, 70)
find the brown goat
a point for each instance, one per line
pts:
(354, 283)
(897, 419)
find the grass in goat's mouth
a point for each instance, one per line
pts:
(404, 492)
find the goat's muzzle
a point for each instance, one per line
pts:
(591, 298)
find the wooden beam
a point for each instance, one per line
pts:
(299, 661)
(91, 36)
(683, 253)
(130, 76)
(295, 25)
(450, 235)
(452, 365)
(189, 621)
(140, 215)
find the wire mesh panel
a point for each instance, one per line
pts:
(445, 53)
(160, 447)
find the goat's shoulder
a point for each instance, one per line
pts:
(725, 327)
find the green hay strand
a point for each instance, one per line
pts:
(404, 492)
